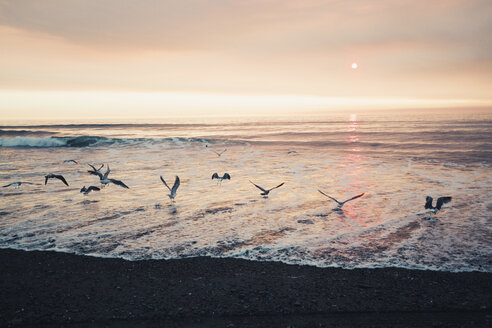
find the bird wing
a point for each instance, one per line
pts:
(428, 202)
(280, 185)
(92, 167)
(163, 181)
(226, 176)
(258, 186)
(223, 151)
(8, 185)
(99, 174)
(119, 183)
(46, 179)
(105, 176)
(93, 188)
(31, 183)
(353, 198)
(441, 201)
(330, 197)
(215, 176)
(176, 185)
(83, 189)
(60, 177)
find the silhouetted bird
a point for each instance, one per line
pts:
(174, 188)
(226, 176)
(104, 180)
(17, 184)
(219, 154)
(95, 171)
(340, 204)
(440, 201)
(265, 192)
(55, 176)
(85, 190)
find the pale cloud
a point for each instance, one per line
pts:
(407, 49)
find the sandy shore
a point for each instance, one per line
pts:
(51, 289)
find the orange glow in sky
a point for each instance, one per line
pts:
(197, 57)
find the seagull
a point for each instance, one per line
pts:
(340, 204)
(95, 171)
(70, 161)
(17, 184)
(219, 154)
(51, 176)
(104, 179)
(226, 176)
(440, 201)
(85, 190)
(265, 192)
(174, 188)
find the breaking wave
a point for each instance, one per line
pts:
(87, 141)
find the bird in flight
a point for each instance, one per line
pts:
(265, 192)
(85, 190)
(174, 188)
(95, 171)
(440, 201)
(55, 176)
(70, 161)
(220, 154)
(226, 176)
(17, 184)
(104, 180)
(340, 204)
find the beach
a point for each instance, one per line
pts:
(52, 288)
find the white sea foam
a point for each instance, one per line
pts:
(33, 142)
(295, 224)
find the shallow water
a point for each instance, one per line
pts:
(396, 160)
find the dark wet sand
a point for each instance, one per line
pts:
(55, 289)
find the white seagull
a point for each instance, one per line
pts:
(440, 201)
(226, 176)
(340, 204)
(55, 176)
(265, 192)
(104, 180)
(17, 184)
(85, 190)
(174, 188)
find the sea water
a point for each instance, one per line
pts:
(396, 160)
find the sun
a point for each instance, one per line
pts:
(354, 65)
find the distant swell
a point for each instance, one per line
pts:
(87, 141)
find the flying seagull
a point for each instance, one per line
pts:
(105, 180)
(174, 188)
(85, 190)
(265, 192)
(70, 161)
(17, 184)
(226, 176)
(56, 176)
(440, 201)
(95, 171)
(219, 154)
(340, 204)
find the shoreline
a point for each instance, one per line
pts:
(52, 288)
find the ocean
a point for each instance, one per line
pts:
(395, 159)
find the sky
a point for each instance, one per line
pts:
(72, 59)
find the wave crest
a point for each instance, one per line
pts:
(86, 141)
